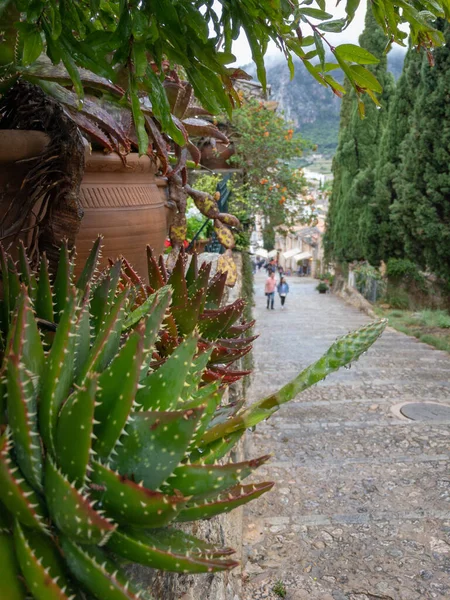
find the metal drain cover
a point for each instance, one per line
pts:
(426, 411)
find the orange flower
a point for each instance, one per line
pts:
(266, 134)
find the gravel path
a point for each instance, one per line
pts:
(361, 506)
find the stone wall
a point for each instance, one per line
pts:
(225, 530)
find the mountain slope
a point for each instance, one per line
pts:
(313, 108)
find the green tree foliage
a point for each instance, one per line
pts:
(422, 208)
(382, 236)
(135, 44)
(353, 165)
(265, 143)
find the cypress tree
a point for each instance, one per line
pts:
(383, 239)
(422, 208)
(355, 156)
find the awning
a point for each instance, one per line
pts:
(261, 252)
(302, 256)
(291, 253)
(272, 254)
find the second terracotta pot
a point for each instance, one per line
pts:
(127, 205)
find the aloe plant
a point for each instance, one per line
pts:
(105, 440)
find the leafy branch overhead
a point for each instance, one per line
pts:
(111, 422)
(135, 45)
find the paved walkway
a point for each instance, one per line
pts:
(361, 506)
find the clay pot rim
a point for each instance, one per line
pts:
(112, 162)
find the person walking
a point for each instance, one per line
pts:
(269, 290)
(283, 290)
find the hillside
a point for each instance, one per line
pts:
(313, 108)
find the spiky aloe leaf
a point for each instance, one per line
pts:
(199, 396)
(155, 444)
(44, 302)
(97, 572)
(57, 377)
(210, 403)
(107, 341)
(63, 280)
(11, 586)
(25, 272)
(200, 480)
(192, 270)
(153, 323)
(82, 338)
(22, 417)
(6, 309)
(187, 316)
(194, 376)
(90, 265)
(72, 511)
(226, 501)
(236, 330)
(26, 340)
(181, 542)
(117, 391)
(159, 299)
(214, 323)
(14, 283)
(156, 278)
(345, 350)
(216, 450)
(222, 355)
(100, 301)
(18, 497)
(201, 282)
(146, 548)
(42, 566)
(162, 389)
(73, 438)
(132, 504)
(235, 343)
(177, 281)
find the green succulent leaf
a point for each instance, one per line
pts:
(201, 480)
(214, 323)
(11, 586)
(90, 266)
(146, 548)
(107, 341)
(162, 389)
(73, 439)
(42, 566)
(116, 395)
(131, 503)
(63, 281)
(187, 316)
(224, 502)
(26, 340)
(44, 302)
(15, 493)
(153, 323)
(57, 377)
(72, 510)
(155, 444)
(97, 572)
(25, 272)
(216, 450)
(22, 416)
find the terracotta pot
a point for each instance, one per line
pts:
(17, 149)
(216, 157)
(127, 204)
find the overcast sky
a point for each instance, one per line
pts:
(242, 51)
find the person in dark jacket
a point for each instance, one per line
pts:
(283, 291)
